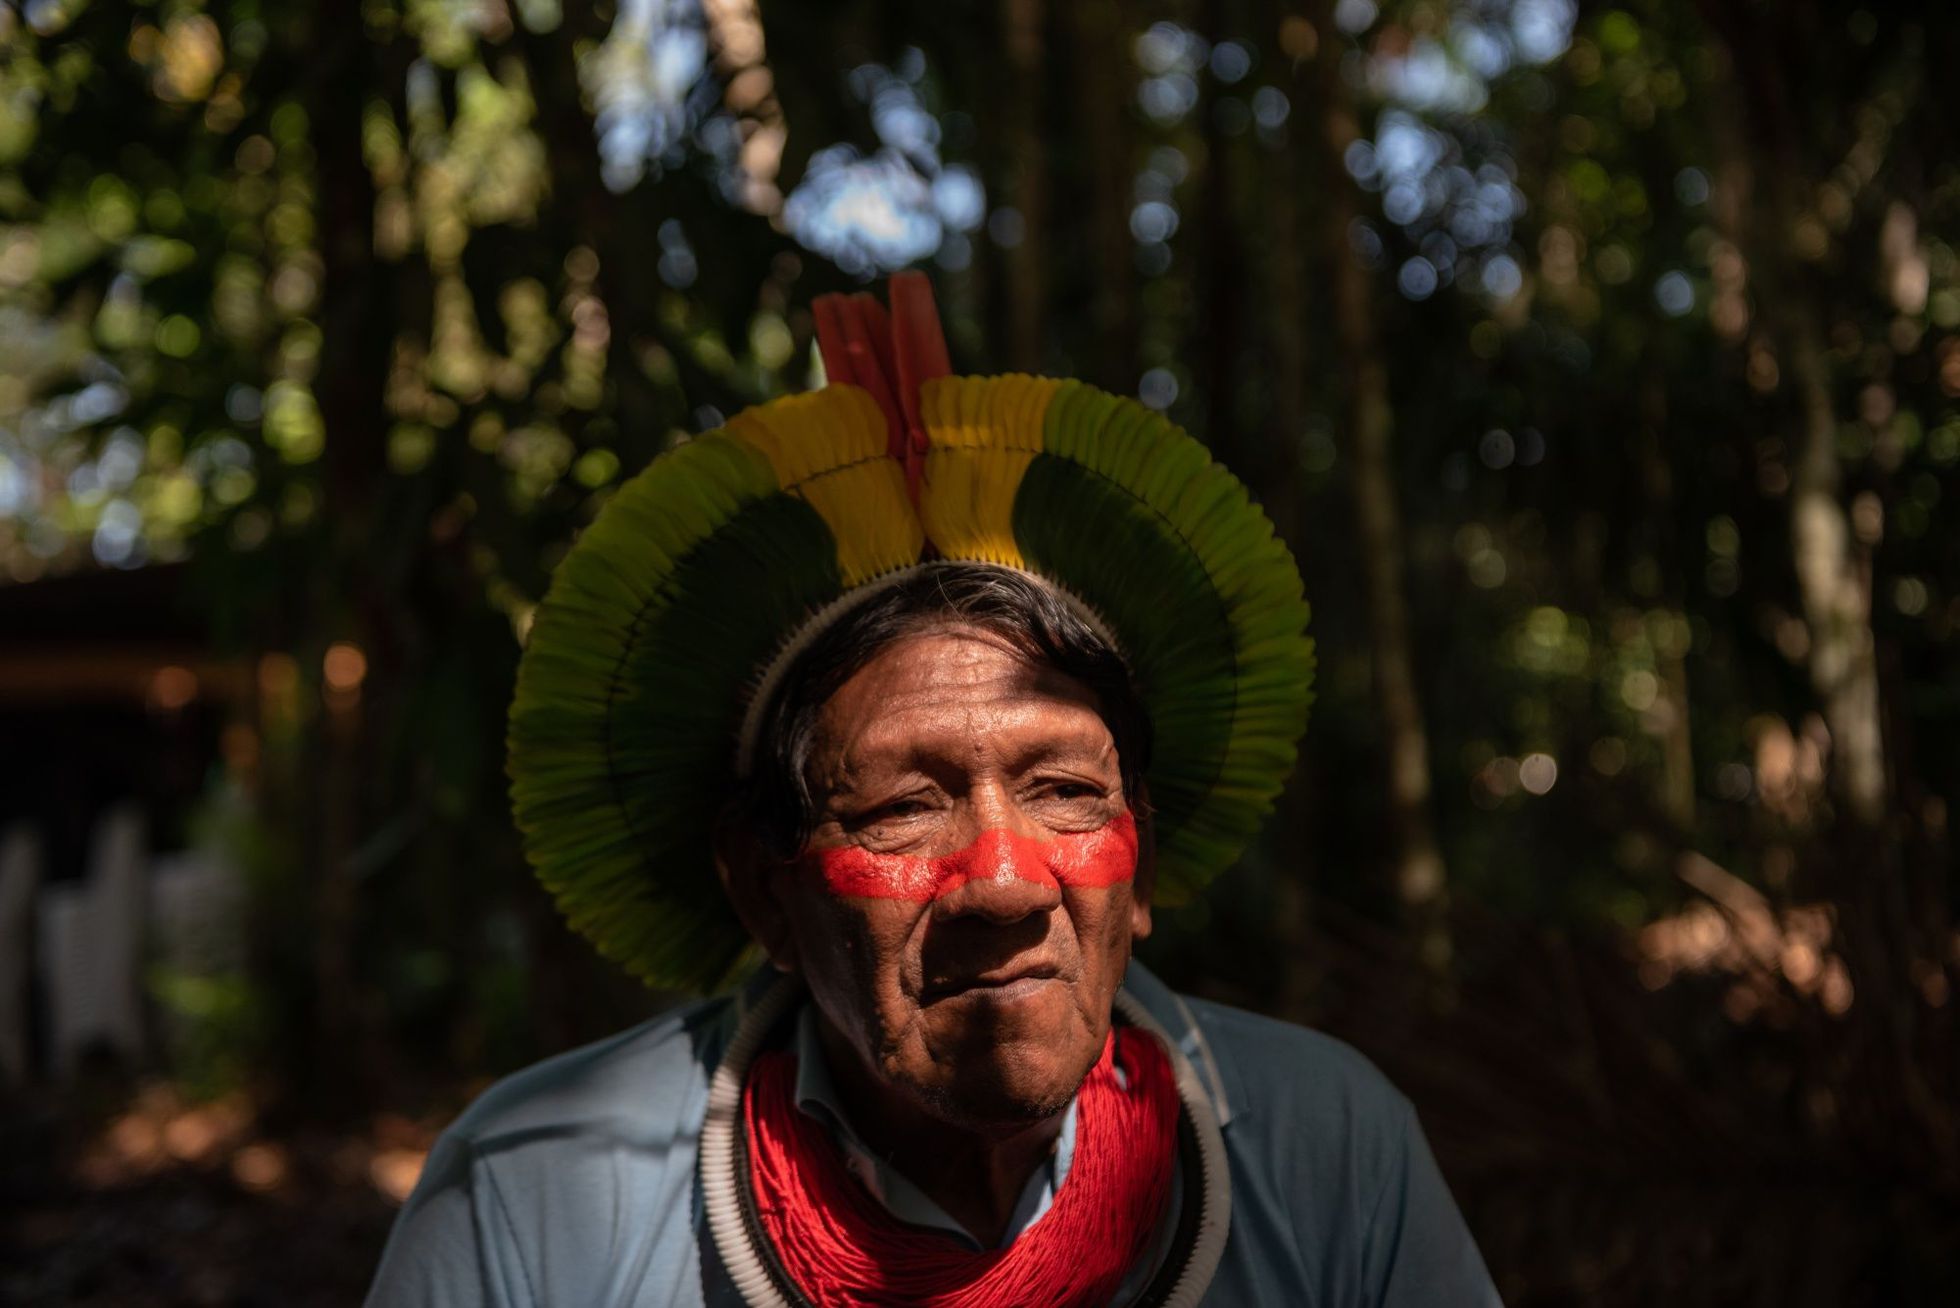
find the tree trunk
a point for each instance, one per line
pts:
(1104, 90)
(352, 603)
(1836, 595)
(1284, 239)
(1865, 873)
(1418, 873)
(1215, 348)
(1830, 575)
(1668, 719)
(1027, 285)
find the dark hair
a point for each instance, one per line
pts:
(774, 801)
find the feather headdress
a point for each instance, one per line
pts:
(680, 605)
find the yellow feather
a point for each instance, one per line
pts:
(828, 448)
(982, 433)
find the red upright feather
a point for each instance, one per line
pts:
(890, 355)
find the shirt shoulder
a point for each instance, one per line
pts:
(1318, 1134)
(1328, 1157)
(571, 1181)
(1253, 1065)
(630, 1084)
(1279, 1066)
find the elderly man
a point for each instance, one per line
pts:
(925, 689)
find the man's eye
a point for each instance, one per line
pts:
(1074, 790)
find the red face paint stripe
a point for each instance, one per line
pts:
(1092, 858)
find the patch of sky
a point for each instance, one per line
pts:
(1502, 278)
(643, 79)
(118, 535)
(1417, 279)
(1355, 16)
(1154, 219)
(83, 485)
(959, 198)
(1441, 251)
(1166, 47)
(1428, 77)
(1406, 148)
(900, 203)
(121, 459)
(1171, 57)
(20, 493)
(1542, 28)
(93, 403)
(96, 402)
(1674, 293)
(720, 138)
(1484, 50)
(677, 266)
(1230, 61)
(865, 213)
(1403, 203)
(1444, 174)
(901, 121)
(1168, 99)
(1362, 165)
(1270, 108)
(1158, 388)
(656, 100)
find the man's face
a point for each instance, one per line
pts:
(965, 909)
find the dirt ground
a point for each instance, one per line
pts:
(170, 1203)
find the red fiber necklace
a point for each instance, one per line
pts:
(841, 1247)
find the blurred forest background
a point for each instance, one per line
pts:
(1600, 363)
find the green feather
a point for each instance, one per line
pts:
(1129, 512)
(630, 694)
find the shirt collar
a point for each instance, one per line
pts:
(1219, 1079)
(816, 1096)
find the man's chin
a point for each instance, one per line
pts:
(1005, 1061)
(1006, 1087)
(990, 1106)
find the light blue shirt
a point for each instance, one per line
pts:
(575, 1183)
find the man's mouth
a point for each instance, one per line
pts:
(995, 984)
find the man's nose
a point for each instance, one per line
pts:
(1003, 877)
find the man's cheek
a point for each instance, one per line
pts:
(1104, 857)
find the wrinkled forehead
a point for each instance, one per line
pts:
(951, 690)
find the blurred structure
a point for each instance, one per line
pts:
(90, 935)
(20, 877)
